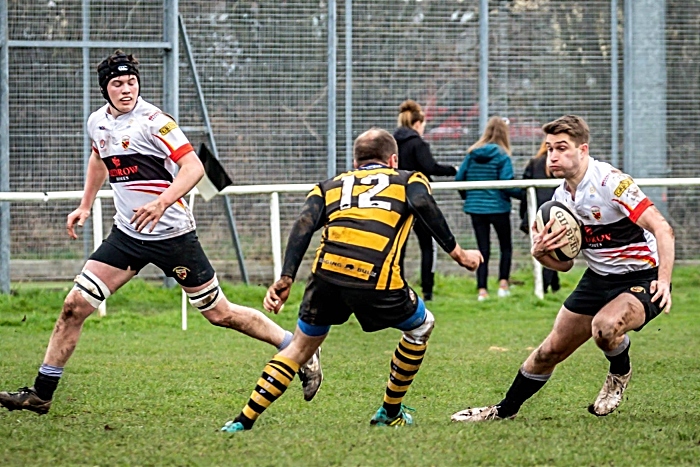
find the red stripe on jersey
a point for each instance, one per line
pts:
(184, 149)
(646, 259)
(146, 184)
(150, 192)
(641, 207)
(631, 248)
(629, 209)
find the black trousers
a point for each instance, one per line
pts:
(428, 254)
(550, 278)
(482, 229)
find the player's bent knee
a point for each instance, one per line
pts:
(207, 298)
(91, 288)
(421, 334)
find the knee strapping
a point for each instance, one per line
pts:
(93, 290)
(421, 334)
(208, 297)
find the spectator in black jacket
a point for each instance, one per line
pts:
(537, 169)
(414, 154)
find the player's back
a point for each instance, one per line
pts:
(367, 222)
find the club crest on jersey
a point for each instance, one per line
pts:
(637, 289)
(181, 272)
(125, 142)
(595, 211)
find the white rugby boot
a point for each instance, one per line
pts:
(610, 395)
(479, 414)
(311, 375)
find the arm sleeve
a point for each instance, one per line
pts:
(167, 136)
(308, 222)
(428, 164)
(505, 172)
(626, 195)
(426, 210)
(461, 176)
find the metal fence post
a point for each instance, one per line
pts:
(332, 85)
(4, 151)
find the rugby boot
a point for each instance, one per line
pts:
(24, 399)
(610, 395)
(382, 419)
(479, 414)
(232, 427)
(311, 375)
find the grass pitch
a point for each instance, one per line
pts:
(139, 391)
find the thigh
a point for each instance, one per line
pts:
(570, 331)
(183, 259)
(323, 304)
(381, 309)
(590, 295)
(623, 313)
(121, 252)
(482, 231)
(112, 277)
(501, 224)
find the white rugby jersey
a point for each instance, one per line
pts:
(609, 202)
(140, 149)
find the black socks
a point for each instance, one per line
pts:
(524, 387)
(45, 386)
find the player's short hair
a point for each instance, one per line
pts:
(572, 125)
(375, 144)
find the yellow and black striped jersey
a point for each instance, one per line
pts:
(367, 221)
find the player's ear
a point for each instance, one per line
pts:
(394, 161)
(584, 148)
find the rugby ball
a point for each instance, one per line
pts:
(563, 218)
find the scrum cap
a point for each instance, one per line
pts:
(117, 64)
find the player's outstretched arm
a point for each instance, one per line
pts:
(190, 173)
(94, 179)
(309, 221)
(543, 243)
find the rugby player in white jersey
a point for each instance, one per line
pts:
(629, 249)
(151, 166)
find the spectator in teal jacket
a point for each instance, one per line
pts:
(489, 159)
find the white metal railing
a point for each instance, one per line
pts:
(275, 190)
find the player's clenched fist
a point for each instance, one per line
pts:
(470, 259)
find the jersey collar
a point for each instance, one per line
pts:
(372, 165)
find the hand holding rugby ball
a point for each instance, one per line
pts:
(563, 217)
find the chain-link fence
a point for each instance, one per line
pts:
(263, 67)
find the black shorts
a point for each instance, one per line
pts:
(327, 304)
(594, 291)
(181, 258)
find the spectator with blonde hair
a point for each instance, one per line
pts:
(414, 154)
(489, 159)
